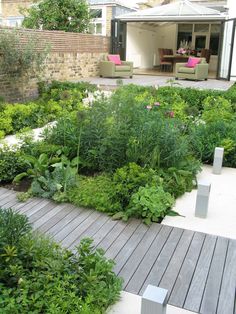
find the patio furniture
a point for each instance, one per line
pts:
(206, 53)
(110, 69)
(199, 72)
(165, 63)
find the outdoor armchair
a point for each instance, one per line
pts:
(199, 72)
(110, 69)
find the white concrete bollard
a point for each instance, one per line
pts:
(218, 160)
(202, 201)
(154, 300)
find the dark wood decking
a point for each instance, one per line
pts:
(199, 270)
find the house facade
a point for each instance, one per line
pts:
(103, 12)
(177, 24)
(10, 11)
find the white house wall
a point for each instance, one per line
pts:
(232, 14)
(143, 41)
(141, 46)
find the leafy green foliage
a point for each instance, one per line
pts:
(64, 15)
(128, 180)
(17, 59)
(58, 100)
(217, 108)
(38, 276)
(150, 204)
(96, 192)
(12, 162)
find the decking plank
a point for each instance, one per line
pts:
(27, 205)
(14, 201)
(64, 222)
(199, 270)
(91, 230)
(7, 197)
(48, 215)
(136, 257)
(81, 227)
(102, 233)
(226, 303)
(33, 209)
(4, 192)
(56, 218)
(149, 259)
(160, 265)
(113, 234)
(33, 217)
(171, 273)
(183, 281)
(129, 247)
(69, 228)
(212, 289)
(196, 290)
(122, 239)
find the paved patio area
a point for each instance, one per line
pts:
(221, 218)
(198, 269)
(151, 80)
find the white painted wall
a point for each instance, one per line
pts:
(232, 14)
(143, 42)
(141, 45)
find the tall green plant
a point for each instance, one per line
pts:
(21, 58)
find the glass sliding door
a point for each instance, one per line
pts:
(118, 37)
(226, 51)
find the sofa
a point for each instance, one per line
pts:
(110, 69)
(198, 72)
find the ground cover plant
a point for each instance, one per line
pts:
(38, 276)
(130, 154)
(54, 101)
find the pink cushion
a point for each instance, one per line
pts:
(192, 62)
(115, 59)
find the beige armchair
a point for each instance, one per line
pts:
(109, 69)
(199, 72)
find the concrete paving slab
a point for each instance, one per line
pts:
(221, 218)
(158, 81)
(131, 304)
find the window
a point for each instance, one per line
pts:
(198, 36)
(214, 39)
(96, 13)
(98, 24)
(184, 34)
(95, 28)
(201, 28)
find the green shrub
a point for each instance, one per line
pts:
(38, 276)
(96, 192)
(205, 138)
(52, 91)
(150, 204)
(130, 178)
(12, 162)
(217, 108)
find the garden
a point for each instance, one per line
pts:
(128, 153)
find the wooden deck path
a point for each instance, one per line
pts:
(199, 270)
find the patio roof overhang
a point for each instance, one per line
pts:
(180, 11)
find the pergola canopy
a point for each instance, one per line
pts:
(182, 10)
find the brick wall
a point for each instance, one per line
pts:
(73, 56)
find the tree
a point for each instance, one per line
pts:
(64, 15)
